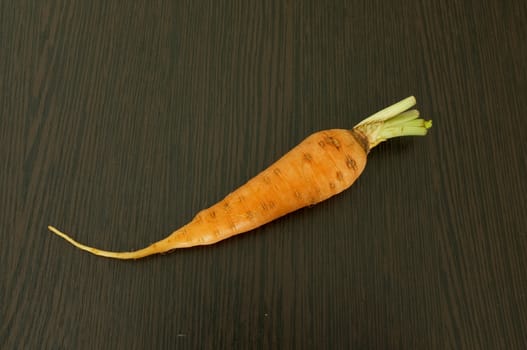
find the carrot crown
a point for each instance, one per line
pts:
(393, 121)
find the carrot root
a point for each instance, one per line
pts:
(116, 255)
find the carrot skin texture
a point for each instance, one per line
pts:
(321, 166)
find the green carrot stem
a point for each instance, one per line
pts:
(394, 121)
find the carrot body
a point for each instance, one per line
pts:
(323, 165)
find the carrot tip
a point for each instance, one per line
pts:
(136, 254)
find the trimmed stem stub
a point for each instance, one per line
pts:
(394, 121)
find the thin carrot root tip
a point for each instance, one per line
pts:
(328, 161)
(68, 238)
(141, 253)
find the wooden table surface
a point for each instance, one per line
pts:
(120, 120)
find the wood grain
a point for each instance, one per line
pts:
(120, 120)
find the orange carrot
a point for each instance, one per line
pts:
(324, 164)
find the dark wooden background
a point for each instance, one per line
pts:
(119, 120)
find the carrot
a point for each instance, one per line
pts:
(323, 165)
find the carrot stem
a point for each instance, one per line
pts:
(394, 121)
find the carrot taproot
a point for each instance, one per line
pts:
(323, 165)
